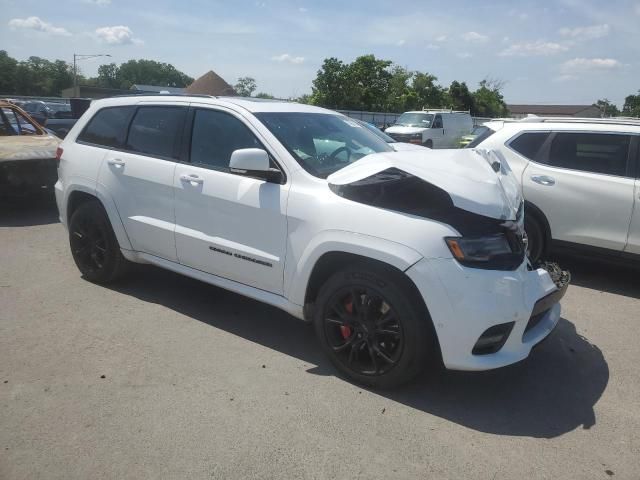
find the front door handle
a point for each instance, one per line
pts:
(192, 178)
(544, 180)
(116, 162)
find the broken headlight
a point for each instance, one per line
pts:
(491, 252)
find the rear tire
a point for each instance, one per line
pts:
(94, 246)
(428, 144)
(372, 327)
(536, 238)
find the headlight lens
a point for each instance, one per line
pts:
(493, 252)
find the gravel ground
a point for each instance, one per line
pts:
(161, 376)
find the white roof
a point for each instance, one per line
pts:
(560, 125)
(250, 104)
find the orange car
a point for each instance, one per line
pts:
(27, 152)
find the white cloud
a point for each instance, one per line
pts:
(533, 49)
(34, 23)
(638, 9)
(400, 43)
(285, 57)
(117, 35)
(432, 46)
(303, 10)
(586, 33)
(441, 38)
(474, 37)
(98, 2)
(590, 64)
(464, 55)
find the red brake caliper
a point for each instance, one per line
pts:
(344, 330)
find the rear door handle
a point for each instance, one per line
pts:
(192, 178)
(116, 162)
(544, 180)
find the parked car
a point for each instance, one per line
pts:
(397, 146)
(39, 109)
(475, 133)
(27, 152)
(432, 128)
(579, 179)
(395, 257)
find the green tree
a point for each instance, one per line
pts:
(368, 80)
(330, 85)
(245, 86)
(150, 72)
(631, 106)
(265, 95)
(108, 76)
(459, 96)
(8, 73)
(607, 108)
(488, 100)
(427, 92)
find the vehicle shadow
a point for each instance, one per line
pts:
(602, 275)
(28, 210)
(547, 395)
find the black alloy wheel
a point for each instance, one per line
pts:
(88, 245)
(93, 244)
(363, 330)
(373, 325)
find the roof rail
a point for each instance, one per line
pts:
(603, 121)
(159, 94)
(444, 110)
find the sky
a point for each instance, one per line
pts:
(553, 51)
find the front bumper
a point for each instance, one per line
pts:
(465, 302)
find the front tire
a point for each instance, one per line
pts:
(372, 327)
(429, 144)
(94, 246)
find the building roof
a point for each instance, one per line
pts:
(156, 88)
(564, 110)
(210, 84)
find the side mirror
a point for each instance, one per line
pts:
(254, 162)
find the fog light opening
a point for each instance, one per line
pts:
(493, 339)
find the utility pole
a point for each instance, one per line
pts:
(79, 56)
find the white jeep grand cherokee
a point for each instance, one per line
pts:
(395, 257)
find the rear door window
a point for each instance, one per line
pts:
(528, 144)
(591, 152)
(155, 131)
(108, 127)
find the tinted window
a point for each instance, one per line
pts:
(591, 152)
(216, 135)
(155, 131)
(528, 144)
(17, 124)
(437, 122)
(108, 127)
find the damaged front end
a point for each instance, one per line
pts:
(491, 234)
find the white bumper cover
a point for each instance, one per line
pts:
(464, 302)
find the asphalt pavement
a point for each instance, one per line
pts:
(161, 376)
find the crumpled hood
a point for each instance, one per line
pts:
(467, 175)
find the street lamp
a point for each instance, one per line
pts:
(76, 57)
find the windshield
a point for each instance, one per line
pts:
(479, 130)
(322, 143)
(59, 107)
(415, 120)
(376, 131)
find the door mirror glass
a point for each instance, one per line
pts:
(250, 159)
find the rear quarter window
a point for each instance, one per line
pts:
(108, 127)
(591, 152)
(528, 144)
